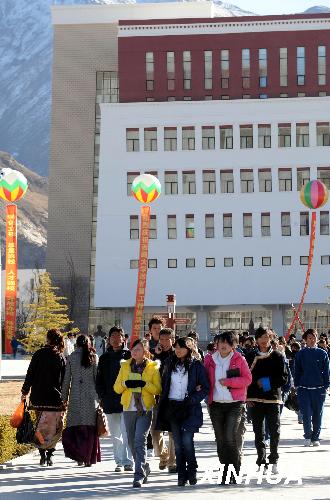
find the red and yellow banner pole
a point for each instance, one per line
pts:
(308, 274)
(11, 276)
(142, 273)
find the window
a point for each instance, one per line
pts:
(209, 226)
(170, 67)
(153, 227)
(227, 225)
(171, 98)
(171, 182)
(286, 224)
(186, 59)
(265, 224)
(284, 95)
(264, 136)
(152, 263)
(246, 96)
(302, 135)
(225, 97)
(324, 223)
(246, 68)
(171, 263)
(171, 227)
(283, 67)
(248, 261)
(266, 261)
(323, 134)
(226, 137)
(130, 178)
(284, 135)
(227, 181)
(303, 176)
(150, 139)
(263, 96)
(210, 262)
(265, 180)
(189, 182)
(188, 138)
(209, 182)
(190, 262)
(134, 264)
(262, 67)
(132, 139)
(301, 94)
(246, 136)
(208, 69)
(170, 139)
(247, 181)
(228, 262)
(208, 138)
(247, 225)
(286, 260)
(304, 223)
(190, 226)
(150, 99)
(224, 68)
(150, 71)
(285, 179)
(321, 64)
(322, 94)
(323, 175)
(134, 227)
(325, 260)
(304, 260)
(301, 66)
(187, 98)
(208, 98)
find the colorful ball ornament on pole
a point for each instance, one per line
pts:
(146, 188)
(314, 194)
(13, 185)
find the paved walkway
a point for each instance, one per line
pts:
(26, 480)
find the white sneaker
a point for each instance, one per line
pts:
(274, 469)
(267, 442)
(307, 442)
(315, 443)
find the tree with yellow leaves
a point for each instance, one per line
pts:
(45, 313)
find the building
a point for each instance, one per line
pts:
(229, 234)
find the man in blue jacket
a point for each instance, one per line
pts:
(311, 378)
(108, 369)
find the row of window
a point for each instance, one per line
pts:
(227, 97)
(188, 140)
(227, 185)
(227, 225)
(229, 262)
(217, 68)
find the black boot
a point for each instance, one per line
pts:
(50, 457)
(42, 454)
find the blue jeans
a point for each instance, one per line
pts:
(311, 403)
(121, 452)
(137, 429)
(184, 452)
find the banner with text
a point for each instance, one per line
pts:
(142, 272)
(11, 275)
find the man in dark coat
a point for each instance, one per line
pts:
(264, 397)
(108, 369)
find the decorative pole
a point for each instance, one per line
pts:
(13, 186)
(146, 188)
(313, 195)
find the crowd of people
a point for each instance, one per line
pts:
(154, 392)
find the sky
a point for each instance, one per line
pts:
(278, 6)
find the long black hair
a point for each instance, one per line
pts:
(185, 342)
(55, 340)
(88, 352)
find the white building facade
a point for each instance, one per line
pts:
(229, 235)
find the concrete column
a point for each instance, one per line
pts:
(278, 320)
(127, 320)
(202, 325)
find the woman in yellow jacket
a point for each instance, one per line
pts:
(138, 382)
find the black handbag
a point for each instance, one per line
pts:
(292, 401)
(26, 431)
(177, 410)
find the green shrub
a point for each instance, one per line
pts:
(8, 446)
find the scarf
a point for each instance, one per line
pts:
(135, 368)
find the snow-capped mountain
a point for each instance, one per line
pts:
(25, 76)
(318, 9)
